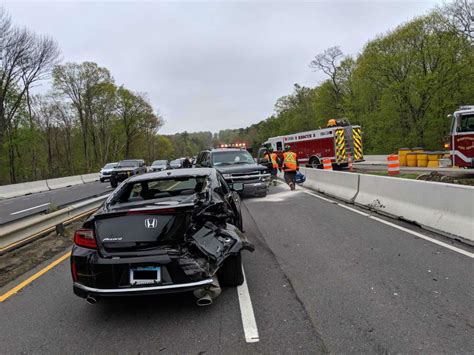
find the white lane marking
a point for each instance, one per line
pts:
(320, 197)
(409, 231)
(246, 310)
(29, 209)
(422, 236)
(353, 210)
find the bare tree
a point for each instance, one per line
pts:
(328, 63)
(460, 14)
(25, 59)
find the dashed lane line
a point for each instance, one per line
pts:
(29, 280)
(246, 310)
(29, 209)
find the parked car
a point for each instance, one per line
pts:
(177, 163)
(237, 165)
(105, 172)
(125, 169)
(159, 165)
(167, 231)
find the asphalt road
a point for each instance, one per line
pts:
(45, 317)
(19, 207)
(322, 278)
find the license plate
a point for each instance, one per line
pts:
(148, 275)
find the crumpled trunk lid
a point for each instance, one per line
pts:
(141, 231)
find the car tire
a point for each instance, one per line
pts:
(113, 182)
(231, 274)
(101, 180)
(315, 163)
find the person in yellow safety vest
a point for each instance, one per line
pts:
(290, 166)
(275, 165)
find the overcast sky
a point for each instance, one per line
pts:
(211, 65)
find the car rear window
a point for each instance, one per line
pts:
(164, 188)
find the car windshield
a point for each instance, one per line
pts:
(159, 189)
(159, 162)
(232, 158)
(175, 162)
(127, 163)
(110, 166)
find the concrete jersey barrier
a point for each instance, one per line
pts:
(333, 183)
(64, 182)
(25, 188)
(90, 177)
(437, 206)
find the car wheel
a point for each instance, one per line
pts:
(231, 274)
(102, 180)
(113, 182)
(315, 163)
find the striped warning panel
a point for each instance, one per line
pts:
(357, 137)
(340, 146)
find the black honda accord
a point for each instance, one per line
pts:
(169, 231)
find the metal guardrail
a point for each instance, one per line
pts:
(20, 232)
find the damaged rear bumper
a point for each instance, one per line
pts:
(85, 291)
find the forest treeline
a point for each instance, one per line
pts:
(400, 87)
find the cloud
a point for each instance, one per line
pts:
(211, 65)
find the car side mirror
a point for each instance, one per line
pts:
(237, 186)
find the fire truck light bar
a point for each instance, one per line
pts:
(233, 145)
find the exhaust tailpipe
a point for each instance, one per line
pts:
(91, 300)
(206, 300)
(206, 295)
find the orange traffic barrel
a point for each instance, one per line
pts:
(393, 164)
(327, 164)
(422, 160)
(411, 159)
(402, 155)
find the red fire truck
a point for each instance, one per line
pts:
(334, 143)
(461, 138)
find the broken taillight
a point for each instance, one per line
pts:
(85, 238)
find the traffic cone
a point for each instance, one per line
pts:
(393, 164)
(349, 158)
(327, 164)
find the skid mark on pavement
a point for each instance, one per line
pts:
(25, 283)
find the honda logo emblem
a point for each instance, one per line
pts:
(151, 222)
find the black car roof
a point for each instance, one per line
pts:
(167, 174)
